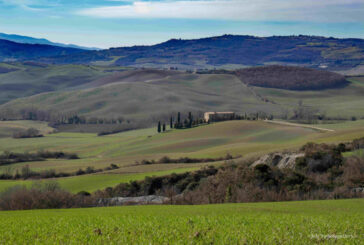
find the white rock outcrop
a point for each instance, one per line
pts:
(280, 160)
(142, 200)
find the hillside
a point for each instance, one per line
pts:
(146, 96)
(12, 51)
(28, 78)
(290, 77)
(7, 129)
(128, 149)
(231, 51)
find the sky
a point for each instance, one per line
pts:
(115, 23)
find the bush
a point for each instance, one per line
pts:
(42, 196)
(10, 157)
(29, 133)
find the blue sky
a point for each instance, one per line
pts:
(112, 23)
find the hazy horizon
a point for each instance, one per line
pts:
(115, 23)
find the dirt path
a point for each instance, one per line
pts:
(299, 125)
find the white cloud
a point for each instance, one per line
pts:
(248, 10)
(32, 5)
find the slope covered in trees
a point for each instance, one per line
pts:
(290, 77)
(10, 51)
(232, 51)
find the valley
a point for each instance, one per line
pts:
(181, 122)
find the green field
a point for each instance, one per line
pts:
(307, 222)
(342, 102)
(247, 139)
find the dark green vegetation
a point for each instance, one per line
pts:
(168, 160)
(10, 157)
(231, 51)
(310, 222)
(289, 77)
(12, 51)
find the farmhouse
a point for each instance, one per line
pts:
(218, 116)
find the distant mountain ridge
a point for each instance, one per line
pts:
(12, 51)
(32, 40)
(231, 51)
(221, 52)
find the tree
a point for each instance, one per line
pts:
(185, 123)
(171, 123)
(164, 127)
(159, 127)
(179, 118)
(190, 119)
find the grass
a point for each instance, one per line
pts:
(142, 92)
(358, 153)
(246, 138)
(93, 182)
(342, 102)
(29, 80)
(137, 98)
(307, 222)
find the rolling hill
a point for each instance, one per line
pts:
(28, 78)
(231, 51)
(12, 51)
(246, 138)
(145, 96)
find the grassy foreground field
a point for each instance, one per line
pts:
(308, 222)
(245, 138)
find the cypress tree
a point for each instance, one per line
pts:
(190, 119)
(179, 118)
(164, 127)
(159, 127)
(171, 123)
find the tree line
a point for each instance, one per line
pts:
(191, 121)
(59, 118)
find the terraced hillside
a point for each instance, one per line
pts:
(127, 150)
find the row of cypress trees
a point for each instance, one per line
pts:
(188, 122)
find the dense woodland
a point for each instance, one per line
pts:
(291, 77)
(230, 49)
